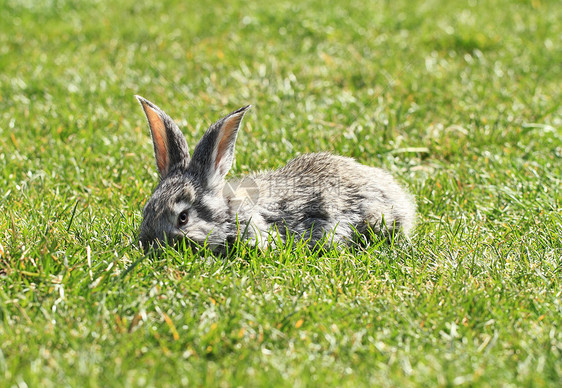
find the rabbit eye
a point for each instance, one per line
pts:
(183, 218)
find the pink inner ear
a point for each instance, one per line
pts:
(227, 130)
(159, 138)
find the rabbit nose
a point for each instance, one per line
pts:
(182, 242)
(148, 241)
(146, 244)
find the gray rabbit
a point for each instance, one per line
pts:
(317, 197)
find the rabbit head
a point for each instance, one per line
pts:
(188, 201)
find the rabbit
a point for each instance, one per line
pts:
(316, 197)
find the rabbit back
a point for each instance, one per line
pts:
(323, 195)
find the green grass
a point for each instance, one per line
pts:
(459, 100)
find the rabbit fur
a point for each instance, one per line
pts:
(316, 197)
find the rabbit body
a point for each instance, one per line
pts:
(313, 197)
(323, 195)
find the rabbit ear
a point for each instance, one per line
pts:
(170, 147)
(213, 155)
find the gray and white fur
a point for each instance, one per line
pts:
(317, 197)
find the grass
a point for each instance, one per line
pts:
(459, 100)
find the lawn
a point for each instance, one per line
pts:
(460, 100)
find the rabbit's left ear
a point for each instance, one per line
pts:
(170, 147)
(213, 155)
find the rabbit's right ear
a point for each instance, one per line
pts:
(170, 147)
(214, 154)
